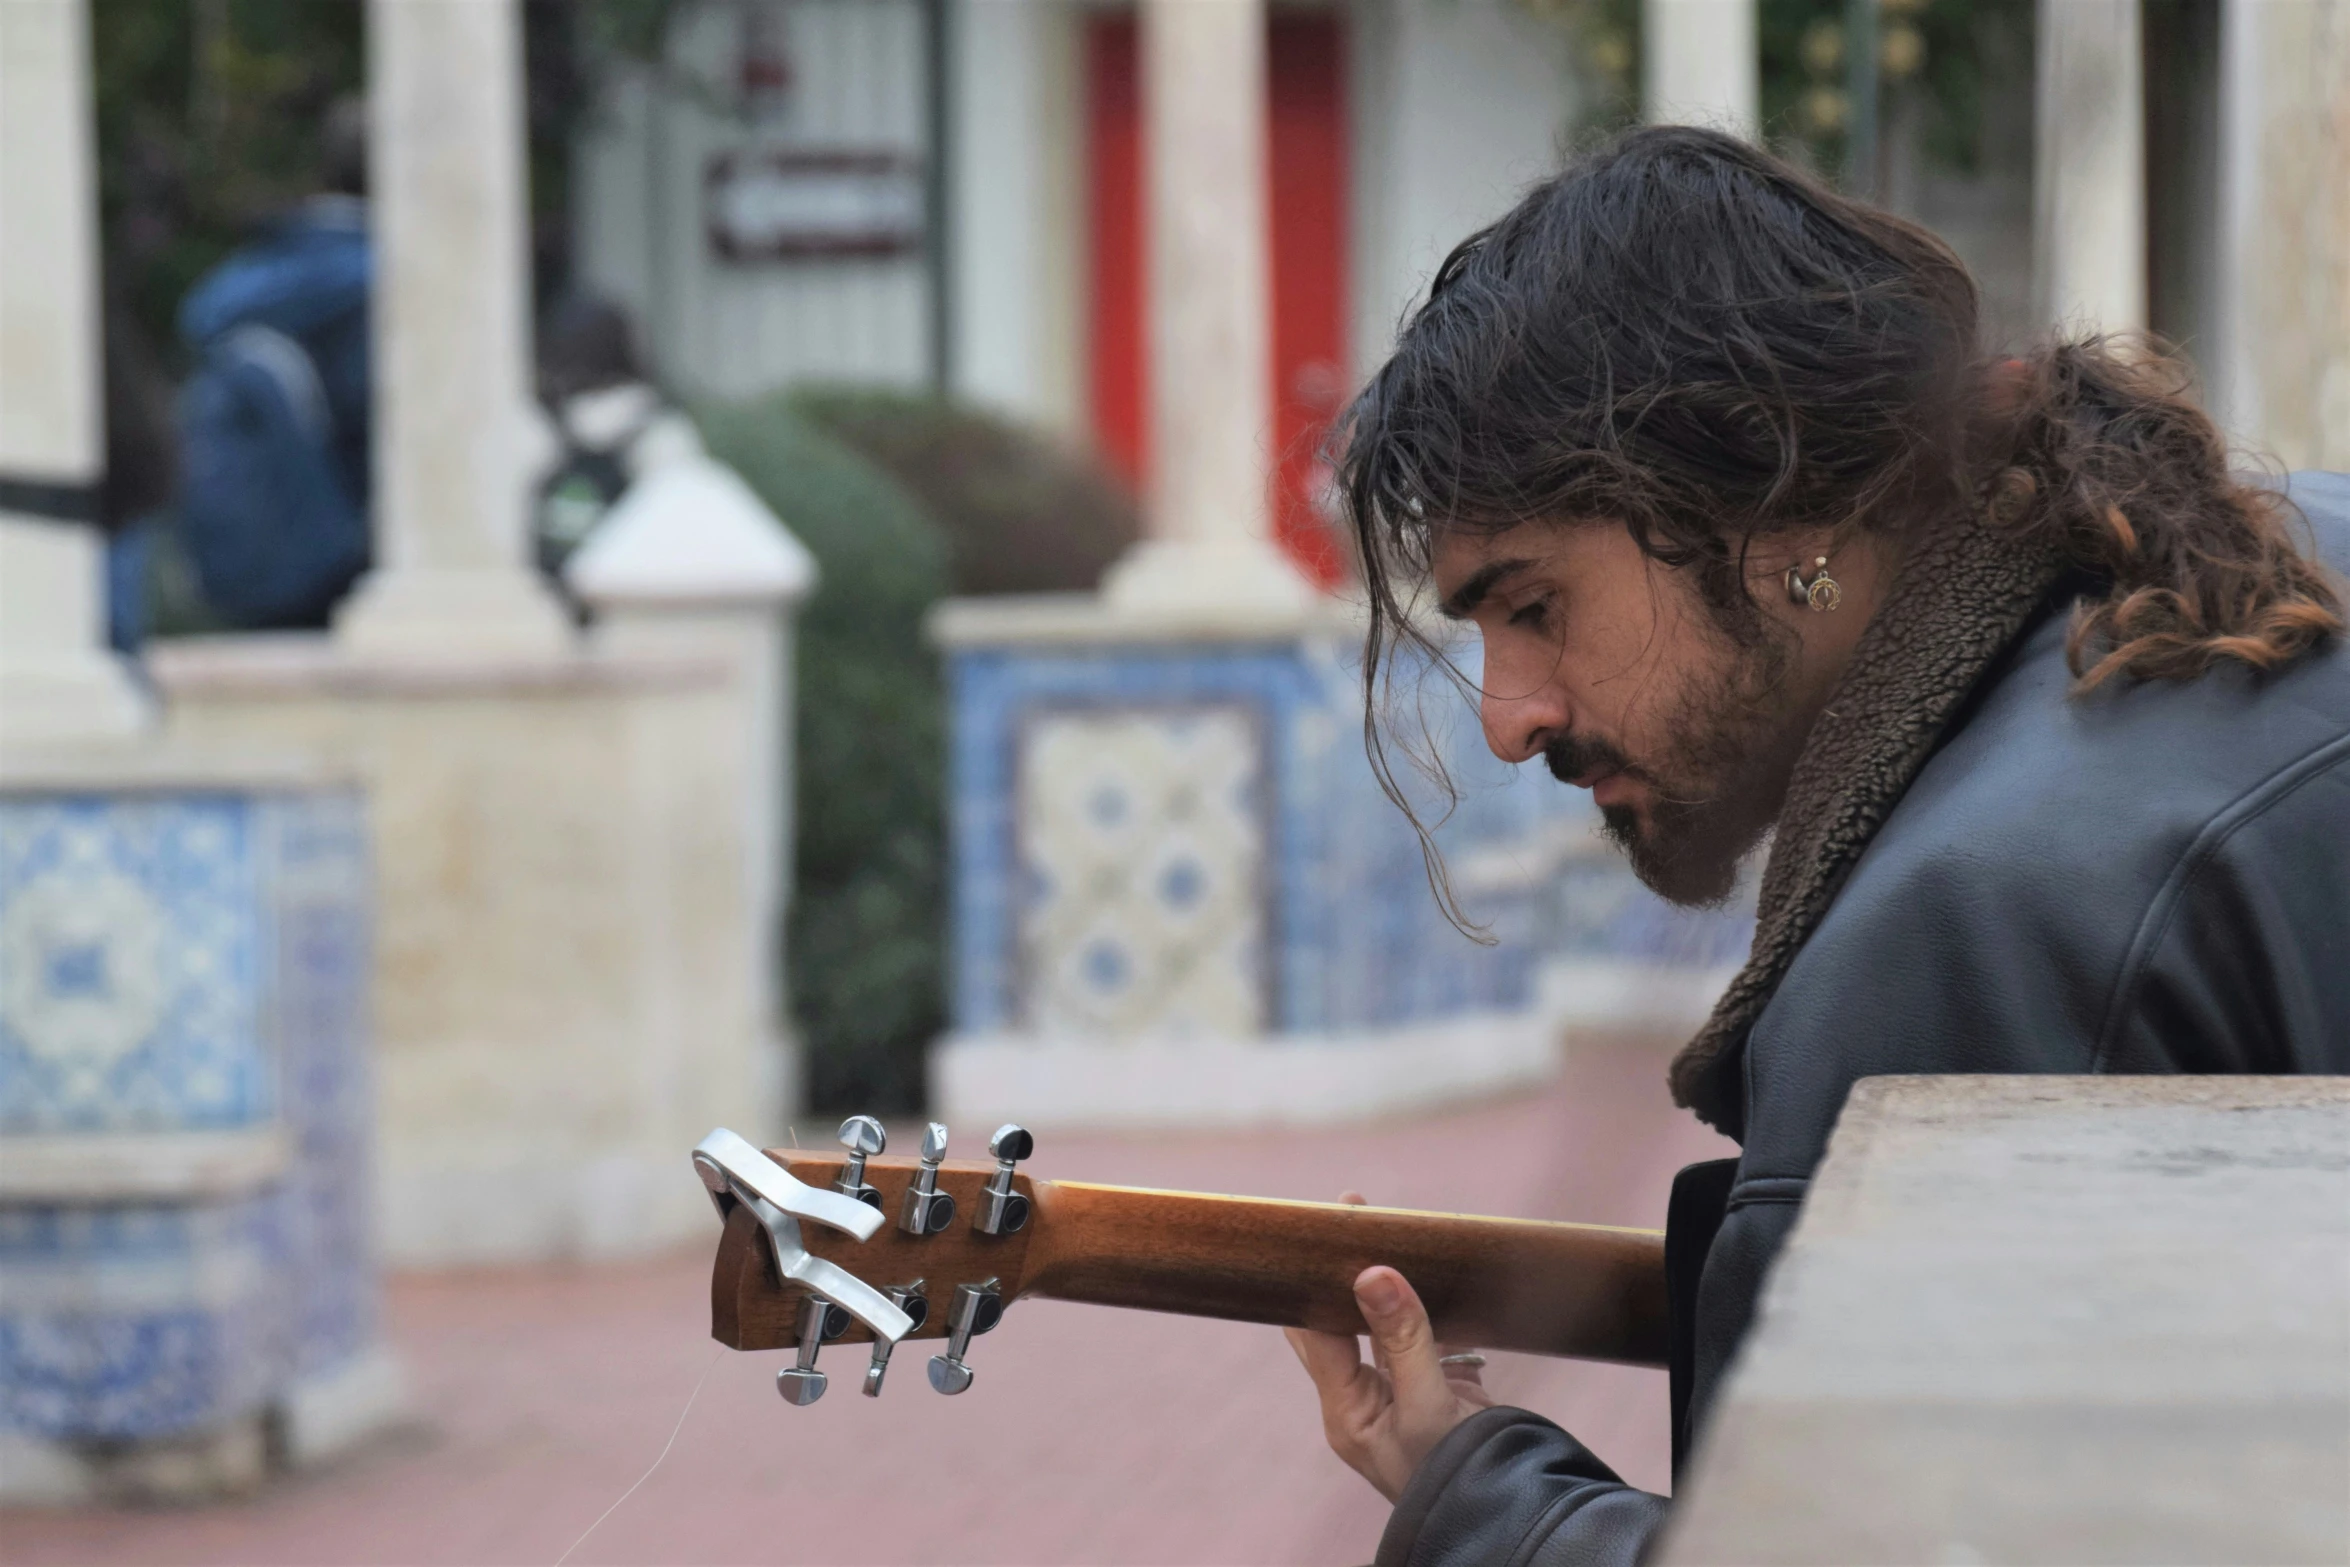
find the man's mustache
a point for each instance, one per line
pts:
(1572, 757)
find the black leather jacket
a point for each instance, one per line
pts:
(2155, 878)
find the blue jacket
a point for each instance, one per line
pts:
(274, 420)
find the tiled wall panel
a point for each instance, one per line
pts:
(1179, 839)
(183, 963)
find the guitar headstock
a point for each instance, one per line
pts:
(952, 1250)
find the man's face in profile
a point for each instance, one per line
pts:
(1607, 665)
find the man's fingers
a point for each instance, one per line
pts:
(1352, 1395)
(1406, 1343)
(1329, 1358)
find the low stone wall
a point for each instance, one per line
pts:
(187, 1274)
(572, 957)
(2049, 1319)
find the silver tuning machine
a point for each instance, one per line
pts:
(909, 1299)
(863, 1137)
(1002, 1211)
(801, 1383)
(928, 1210)
(976, 1308)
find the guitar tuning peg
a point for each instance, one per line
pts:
(863, 1137)
(909, 1299)
(928, 1210)
(800, 1383)
(976, 1308)
(1002, 1210)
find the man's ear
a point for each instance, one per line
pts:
(1769, 559)
(1855, 549)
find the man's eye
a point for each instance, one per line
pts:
(1533, 616)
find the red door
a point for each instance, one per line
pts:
(1118, 336)
(1306, 70)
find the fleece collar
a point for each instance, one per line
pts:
(1963, 594)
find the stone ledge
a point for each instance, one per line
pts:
(164, 765)
(1623, 993)
(1275, 1080)
(1086, 620)
(140, 1166)
(314, 1422)
(438, 1209)
(2049, 1319)
(330, 1412)
(226, 1460)
(299, 665)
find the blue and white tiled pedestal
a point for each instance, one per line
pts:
(187, 1288)
(1181, 898)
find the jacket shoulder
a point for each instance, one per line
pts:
(2056, 854)
(2243, 961)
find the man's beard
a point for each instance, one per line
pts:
(1718, 788)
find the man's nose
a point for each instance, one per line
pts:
(1519, 726)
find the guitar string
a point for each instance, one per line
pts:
(707, 1366)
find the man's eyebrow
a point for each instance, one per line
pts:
(1465, 598)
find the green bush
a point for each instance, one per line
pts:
(1021, 514)
(902, 499)
(865, 950)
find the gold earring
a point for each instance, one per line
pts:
(1821, 591)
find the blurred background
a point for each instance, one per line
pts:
(573, 571)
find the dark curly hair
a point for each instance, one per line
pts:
(1685, 336)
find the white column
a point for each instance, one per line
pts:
(2089, 167)
(1016, 141)
(1210, 542)
(57, 681)
(2281, 376)
(452, 333)
(997, 221)
(1699, 64)
(689, 561)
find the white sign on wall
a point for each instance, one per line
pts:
(767, 205)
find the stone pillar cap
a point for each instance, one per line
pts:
(690, 531)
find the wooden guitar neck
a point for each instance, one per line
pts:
(1587, 1291)
(1549, 1289)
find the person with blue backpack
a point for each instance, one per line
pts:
(270, 528)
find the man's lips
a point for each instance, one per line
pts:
(1593, 765)
(1611, 789)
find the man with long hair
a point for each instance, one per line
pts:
(2044, 708)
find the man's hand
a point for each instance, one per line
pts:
(1385, 1417)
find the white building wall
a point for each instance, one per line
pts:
(1699, 64)
(1458, 107)
(1018, 166)
(724, 328)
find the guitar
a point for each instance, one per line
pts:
(935, 1248)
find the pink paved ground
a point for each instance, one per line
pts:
(1091, 1436)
